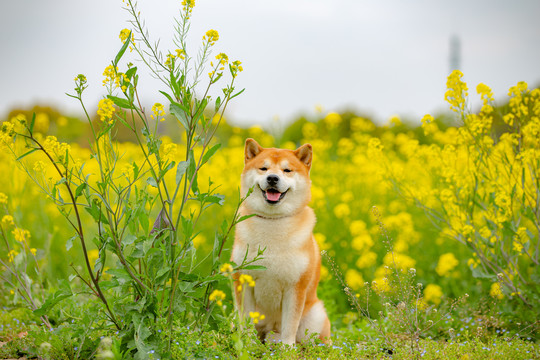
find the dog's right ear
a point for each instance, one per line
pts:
(252, 149)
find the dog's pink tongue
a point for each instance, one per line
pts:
(273, 196)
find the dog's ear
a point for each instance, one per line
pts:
(305, 154)
(252, 149)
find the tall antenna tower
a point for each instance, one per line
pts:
(455, 53)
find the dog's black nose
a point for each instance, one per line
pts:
(272, 179)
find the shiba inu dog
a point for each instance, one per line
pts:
(286, 292)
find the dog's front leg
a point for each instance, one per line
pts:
(292, 307)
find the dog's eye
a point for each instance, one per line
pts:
(263, 169)
(287, 170)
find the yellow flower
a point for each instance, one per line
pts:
(218, 296)
(33, 251)
(3, 198)
(332, 120)
(93, 256)
(106, 110)
(495, 291)
(124, 35)
(110, 74)
(354, 279)
(485, 92)
(21, 235)
(180, 53)
(447, 262)
(211, 36)
(256, 316)
(223, 58)
(427, 119)
(226, 269)
(367, 259)
(518, 247)
(395, 120)
(401, 261)
(243, 279)
(39, 166)
(321, 241)
(11, 255)
(188, 6)
(236, 67)
(357, 227)
(342, 210)
(7, 220)
(169, 62)
(433, 294)
(457, 91)
(157, 111)
(6, 133)
(362, 242)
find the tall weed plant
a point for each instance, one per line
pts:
(147, 277)
(480, 184)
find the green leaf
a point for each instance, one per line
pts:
(61, 181)
(129, 239)
(254, 267)
(121, 103)
(69, 242)
(478, 272)
(166, 169)
(32, 122)
(80, 189)
(169, 97)
(152, 182)
(26, 154)
(122, 50)
(181, 113)
(210, 153)
(131, 71)
(53, 299)
(238, 93)
(181, 170)
(245, 217)
(215, 199)
(120, 274)
(218, 104)
(96, 213)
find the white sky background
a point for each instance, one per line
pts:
(379, 57)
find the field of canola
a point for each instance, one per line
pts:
(459, 197)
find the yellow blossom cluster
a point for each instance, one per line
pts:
(115, 79)
(157, 111)
(256, 316)
(245, 279)
(226, 269)
(106, 110)
(218, 296)
(211, 36)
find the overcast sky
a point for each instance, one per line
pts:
(380, 57)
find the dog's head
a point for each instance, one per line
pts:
(280, 179)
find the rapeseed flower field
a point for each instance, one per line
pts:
(459, 202)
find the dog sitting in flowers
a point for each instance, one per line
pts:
(282, 300)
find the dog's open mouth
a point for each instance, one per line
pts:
(273, 196)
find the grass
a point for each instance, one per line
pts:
(21, 336)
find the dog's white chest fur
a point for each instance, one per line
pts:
(283, 258)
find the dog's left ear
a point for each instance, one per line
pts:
(305, 154)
